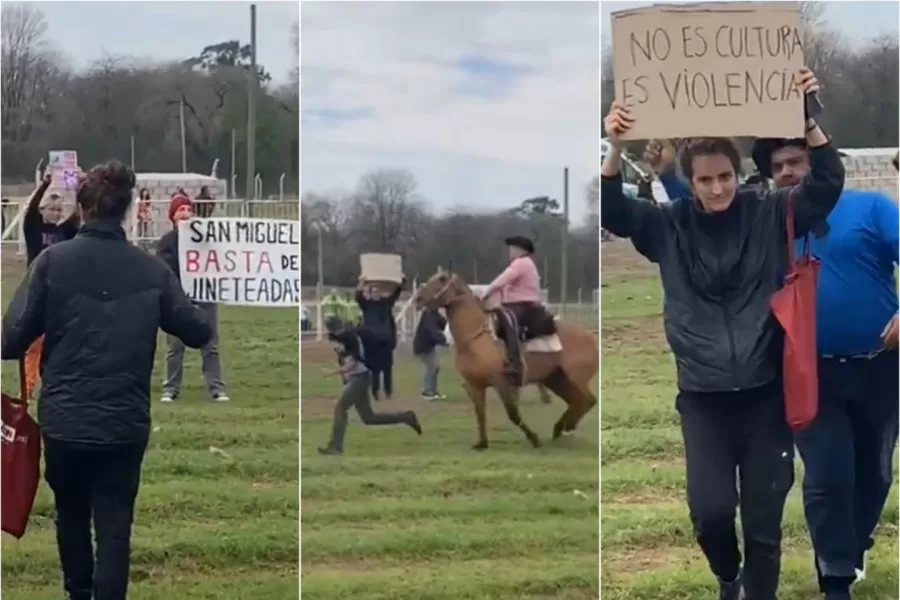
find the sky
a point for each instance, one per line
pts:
(484, 102)
(856, 20)
(84, 31)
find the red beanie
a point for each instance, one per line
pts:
(177, 202)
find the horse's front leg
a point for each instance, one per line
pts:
(478, 395)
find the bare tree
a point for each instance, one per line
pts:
(386, 209)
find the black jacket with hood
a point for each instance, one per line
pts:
(719, 270)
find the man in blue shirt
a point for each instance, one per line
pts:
(848, 450)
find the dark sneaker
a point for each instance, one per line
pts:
(730, 590)
(329, 451)
(414, 423)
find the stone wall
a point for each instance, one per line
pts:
(872, 169)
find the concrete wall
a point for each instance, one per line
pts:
(872, 170)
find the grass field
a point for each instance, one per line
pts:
(399, 517)
(648, 547)
(217, 511)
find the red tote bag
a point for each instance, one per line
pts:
(20, 471)
(794, 306)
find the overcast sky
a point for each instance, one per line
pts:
(170, 30)
(856, 20)
(484, 102)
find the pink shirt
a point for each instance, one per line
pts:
(520, 282)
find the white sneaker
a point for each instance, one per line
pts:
(221, 398)
(167, 398)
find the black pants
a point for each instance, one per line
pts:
(847, 456)
(731, 435)
(381, 363)
(356, 395)
(102, 482)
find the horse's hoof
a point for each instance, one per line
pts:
(568, 432)
(557, 431)
(535, 441)
(480, 446)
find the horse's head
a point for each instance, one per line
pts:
(441, 290)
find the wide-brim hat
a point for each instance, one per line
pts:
(520, 241)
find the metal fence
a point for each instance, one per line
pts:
(581, 315)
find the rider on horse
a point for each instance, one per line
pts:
(520, 288)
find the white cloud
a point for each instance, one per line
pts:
(396, 61)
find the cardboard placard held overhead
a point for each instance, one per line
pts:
(381, 267)
(710, 70)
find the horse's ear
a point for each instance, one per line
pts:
(440, 269)
(450, 266)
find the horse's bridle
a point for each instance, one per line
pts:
(481, 331)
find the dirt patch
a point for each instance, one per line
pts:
(642, 560)
(619, 259)
(625, 335)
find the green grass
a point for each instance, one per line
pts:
(400, 517)
(208, 526)
(648, 548)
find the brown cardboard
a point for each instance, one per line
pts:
(685, 42)
(381, 267)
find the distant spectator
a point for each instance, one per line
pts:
(429, 336)
(204, 203)
(144, 214)
(181, 208)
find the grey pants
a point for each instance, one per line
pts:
(430, 373)
(356, 395)
(212, 367)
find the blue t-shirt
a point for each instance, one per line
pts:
(857, 292)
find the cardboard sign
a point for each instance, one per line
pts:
(710, 70)
(381, 267)
(248, 262)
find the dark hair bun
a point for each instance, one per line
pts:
(105, 191)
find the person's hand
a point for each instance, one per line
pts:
(889, 335)
(660, 155)
(617, 123)
(47, 178)
(806, 82)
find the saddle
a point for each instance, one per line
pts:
(523, 324)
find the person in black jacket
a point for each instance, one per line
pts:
(378, 333)
(429, 335)
(99, 302)
(722, 253)
(181, 209)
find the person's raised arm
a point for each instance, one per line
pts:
(34, 202)
(818, 193)
(638, 219)
(660, 155)
(395, 295)
(25, 316)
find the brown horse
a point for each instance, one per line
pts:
(481, 361)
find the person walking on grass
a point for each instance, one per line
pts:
(722, 254)
(428, 337)
(181, 209)
(100, 302)
(848, 449)
(355, 394)
(43, 226)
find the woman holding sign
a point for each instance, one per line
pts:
(721, 254)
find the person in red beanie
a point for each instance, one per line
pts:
(182, 208)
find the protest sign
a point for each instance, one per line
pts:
(63, 169)
(381, 267)
(248, 262)
(712, 69)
